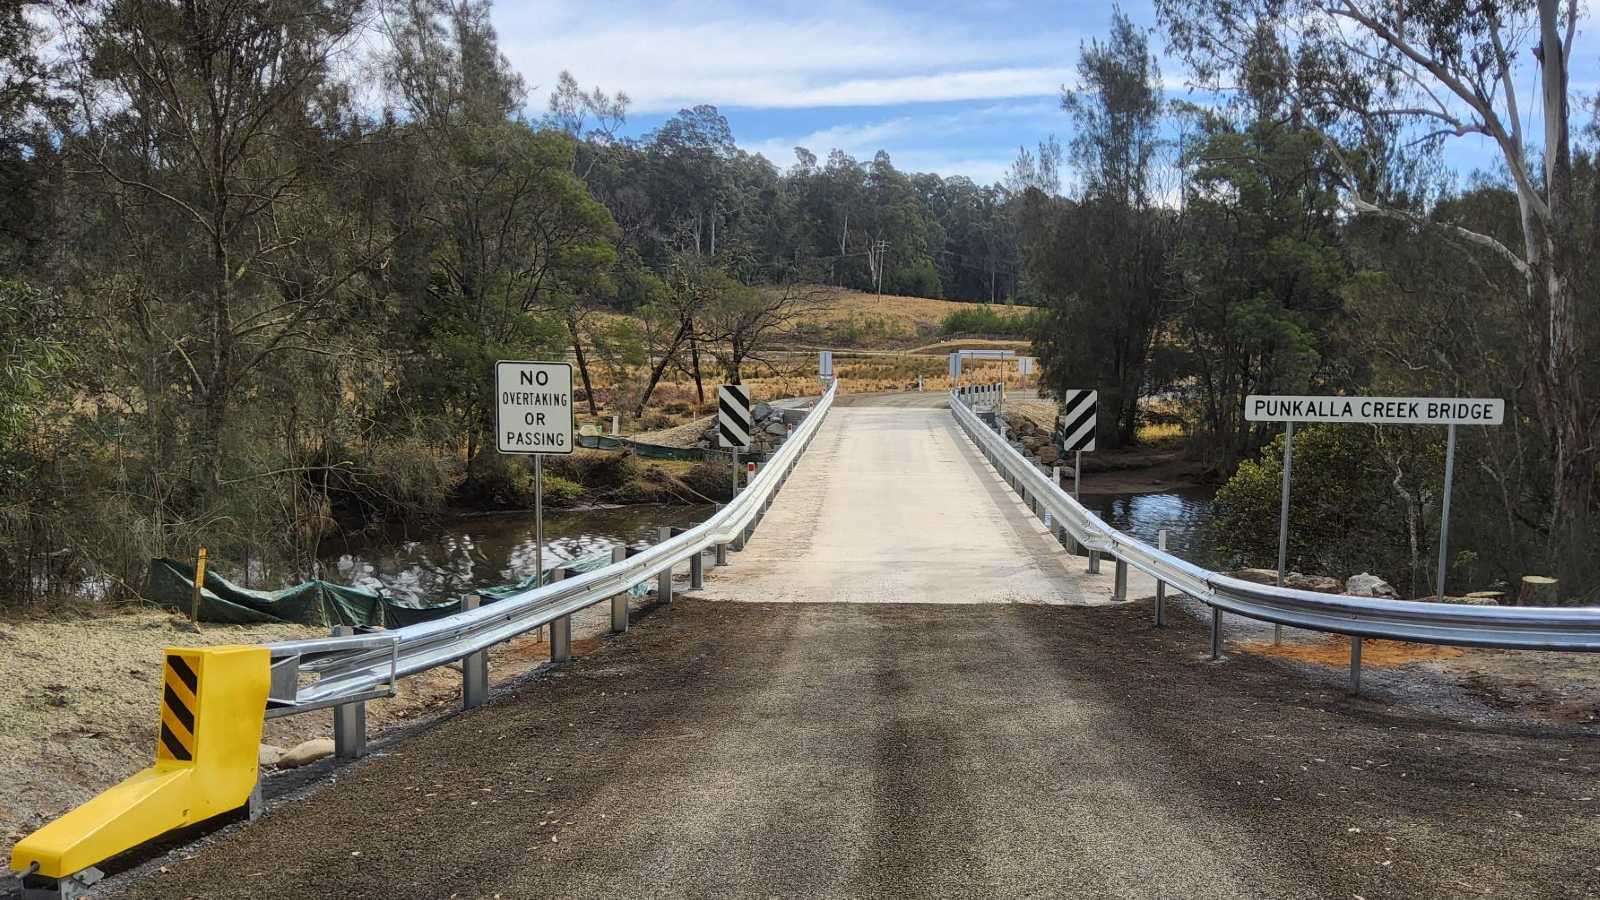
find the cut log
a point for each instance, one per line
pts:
(1495, 598)
(1539, 590)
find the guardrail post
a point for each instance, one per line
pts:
(664, 580)
(697, 570)
(1216, 633)
(1161, 586)
(349, 719)
(560, 629)
(619, 602)
(1355, 664)
(1094, 562)
(1119, 589)
(722, 549)
(474, 667)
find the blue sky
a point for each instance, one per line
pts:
(953, 88)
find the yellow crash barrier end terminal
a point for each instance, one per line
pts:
(212, 705)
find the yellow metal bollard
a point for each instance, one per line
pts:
(212, 705)
(199, 585)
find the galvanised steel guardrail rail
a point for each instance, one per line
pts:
(358, 667)
(1516, 628)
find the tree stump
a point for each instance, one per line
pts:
(1539, 590)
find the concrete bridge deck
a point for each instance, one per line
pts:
(896, 505)
(986, 748)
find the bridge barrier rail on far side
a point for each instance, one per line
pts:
(1515, 628)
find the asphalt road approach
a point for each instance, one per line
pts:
(854, 750)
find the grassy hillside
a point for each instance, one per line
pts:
(856, 320)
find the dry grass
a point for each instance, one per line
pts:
(1160, 433)
(1334, 650)
(853, 319)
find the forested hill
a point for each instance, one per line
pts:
(688, 187)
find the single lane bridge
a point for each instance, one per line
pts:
(919, 694)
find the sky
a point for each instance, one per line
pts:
(952, 88)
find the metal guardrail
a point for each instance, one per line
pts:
(1517, 628)
(349, 669)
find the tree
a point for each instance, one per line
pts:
(1260, 261)
(1101, 264)
(504, 228)
(1441, 70)
(208, 124)
(742, 322)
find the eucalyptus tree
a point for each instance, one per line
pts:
(210, 134)
(1101, 263)
(1438, 71)
(503, 228)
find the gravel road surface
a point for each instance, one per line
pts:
(854, 750)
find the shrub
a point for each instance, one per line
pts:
(985, 320)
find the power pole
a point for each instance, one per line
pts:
(879, 250)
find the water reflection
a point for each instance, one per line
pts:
(1184, 513)
(484, 551)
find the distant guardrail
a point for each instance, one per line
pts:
(1515, 628)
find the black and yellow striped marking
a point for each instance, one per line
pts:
(180, 705)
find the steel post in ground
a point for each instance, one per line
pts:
(664, 580)
(1161, 586)
(619, 602)
(1216, 633)
(1444, 508)
(349, 719)
(560, 629)
(1077, 481)
(697, 570)
(1283, 517)
(1094, 562)
(1119, 588)
(1355, 664)
(474, 667)
(722, 549)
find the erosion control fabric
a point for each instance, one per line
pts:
(317, 602)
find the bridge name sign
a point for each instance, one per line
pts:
(1380, 410)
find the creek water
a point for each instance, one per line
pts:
(489, 550)
(1185, 514)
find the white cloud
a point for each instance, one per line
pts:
(941, 142)
(668, 56)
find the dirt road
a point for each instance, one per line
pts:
(740, 749)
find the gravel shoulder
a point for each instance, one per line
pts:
(742, 749)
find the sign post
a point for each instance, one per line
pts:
(735, 422)
(1377, 411)
(1075, 431)
(1283, 518)
(533, 417)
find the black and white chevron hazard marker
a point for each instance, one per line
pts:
(1075, 427)
(735, 422)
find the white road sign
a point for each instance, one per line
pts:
(1385, 410)
(533, 407)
